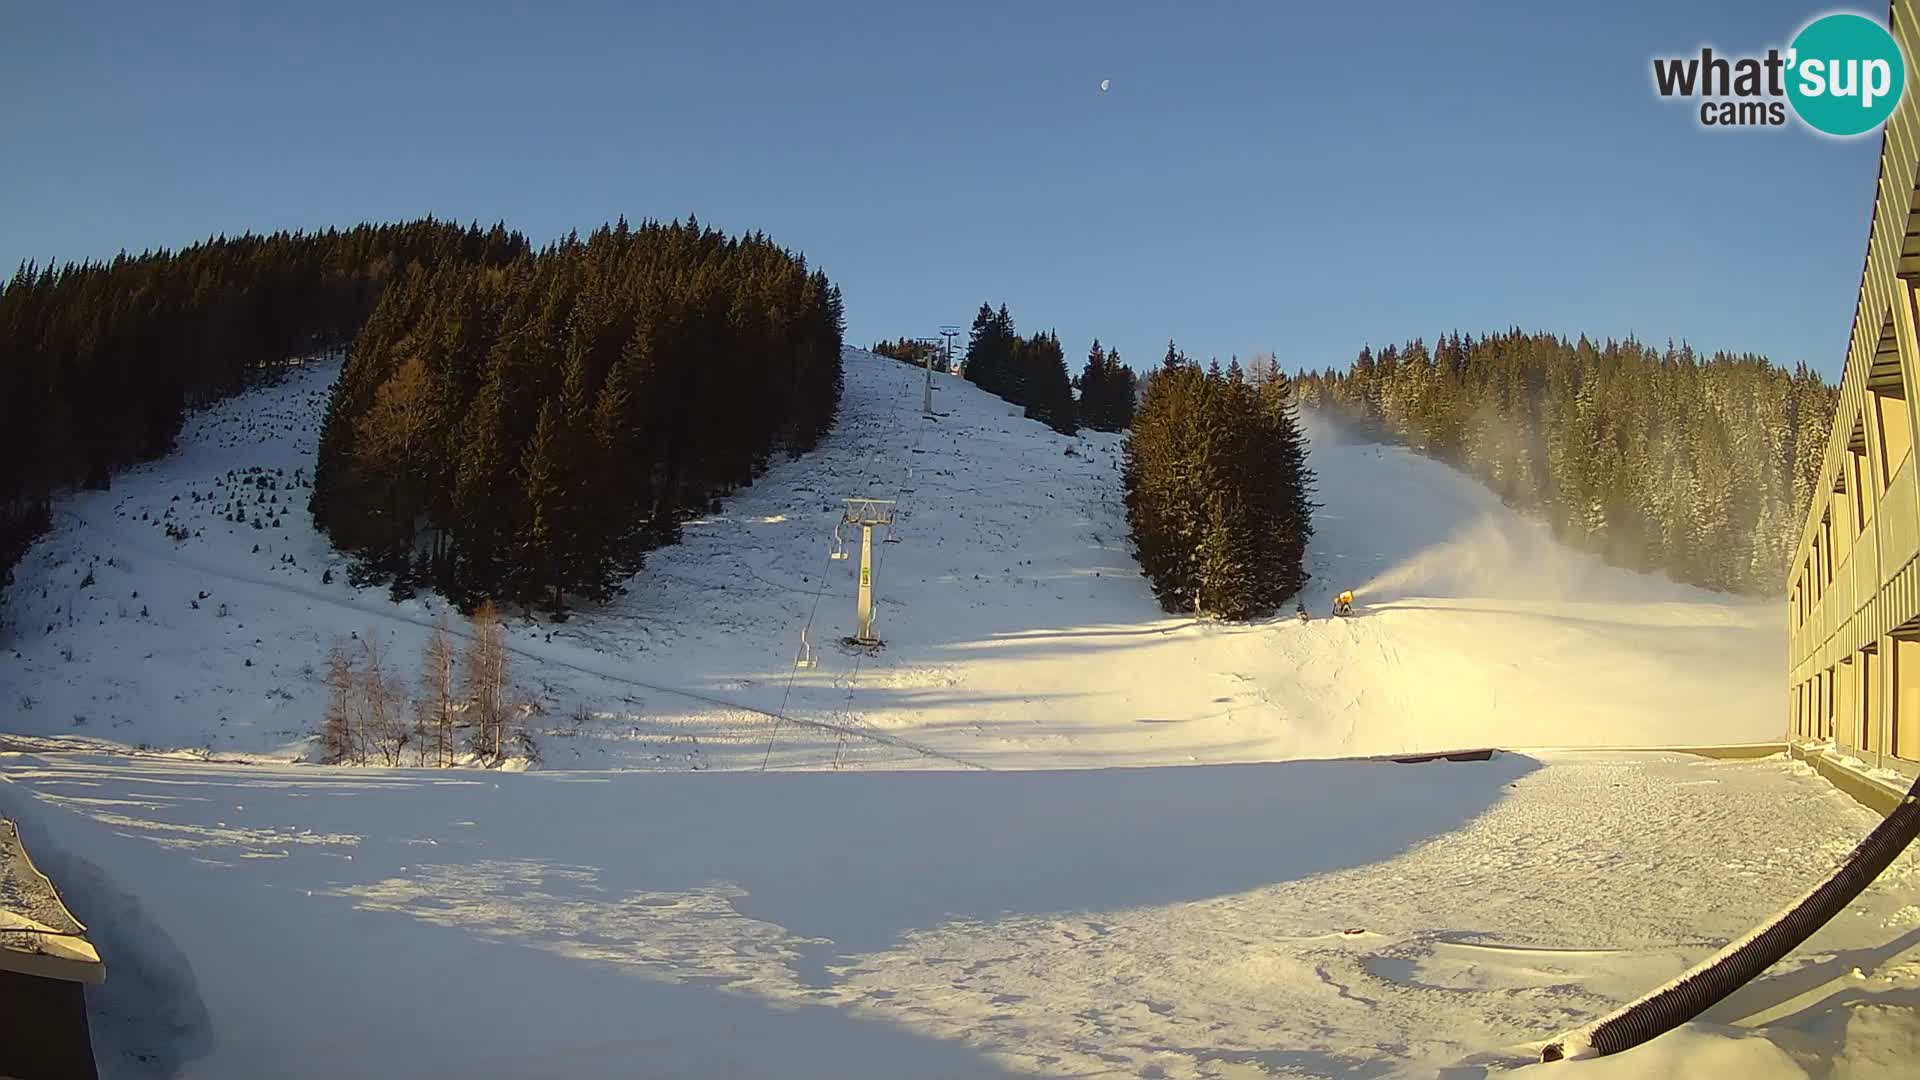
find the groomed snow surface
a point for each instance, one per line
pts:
(1016, 904)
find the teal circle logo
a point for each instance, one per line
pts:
(1845, 74)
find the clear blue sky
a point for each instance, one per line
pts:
(1261, 175)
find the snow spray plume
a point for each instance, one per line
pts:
(1492, 556)
(1732, 967)
(1465, 542)
(1329, 425)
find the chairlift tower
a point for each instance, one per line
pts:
(865, 513)
(949, 332)
(926, 406)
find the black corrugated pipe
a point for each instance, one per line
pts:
(1732, 967)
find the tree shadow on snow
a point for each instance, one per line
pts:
(694, 923)
(332, 984)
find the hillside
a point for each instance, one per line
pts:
(1018, 632)
(1011, 907)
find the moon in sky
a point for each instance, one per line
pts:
(1105, 85)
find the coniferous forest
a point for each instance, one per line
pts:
(1218, 491)
(911, 352)
(526, 432)
(1027, 371)
(1108, 389)
(100, 361)
(1656, 459)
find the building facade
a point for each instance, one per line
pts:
(1853, 588)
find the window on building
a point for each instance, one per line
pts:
(1859, 502)
(1825, 562)
(1887, 419)
(1896, 432)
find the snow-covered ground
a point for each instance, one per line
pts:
(1283, 919)
(1019, 631)
(1015, 904)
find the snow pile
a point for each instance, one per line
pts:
(1689, 1051)
(1019, 632)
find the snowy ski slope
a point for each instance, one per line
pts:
(1011, 905)
(1019, 632)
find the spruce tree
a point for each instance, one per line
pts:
(1018, 373)
(1096, 401)
(1049, 393)
(543, 551)
(1284, 510)
(1123, 388)
(1174, 360)
(1217, 492)
(987, 348)
(620, 499)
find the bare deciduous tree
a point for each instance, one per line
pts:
(486, 671)
(336, 730)
(386, 727)
(436, 696)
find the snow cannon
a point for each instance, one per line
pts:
(1343, 604)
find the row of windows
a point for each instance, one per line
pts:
(1885, 436)
(1813, 707)
(1868, 702)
